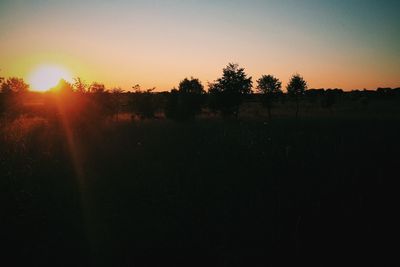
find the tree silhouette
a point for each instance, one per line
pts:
(116, 101)
(171, 109)
(80, 86)
(185, 103)
(192, 86)
(269, 87)
(2, 98)
(227, 92)
(296, 88)
(101, 100)
(14, 85)
(12, 91)
(142, 103)
(330, 98)
(97, 88)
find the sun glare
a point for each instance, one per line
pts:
(45, 77)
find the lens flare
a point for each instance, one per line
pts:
(45, 77)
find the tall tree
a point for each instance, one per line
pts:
(269, 87)
(296, 88)
(229, 90)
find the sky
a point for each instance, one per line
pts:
(349, 44)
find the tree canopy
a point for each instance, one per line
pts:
(296, 86)
(229, 90)
(97, 88)
(192, 86)
(268, 85)
(14, 85)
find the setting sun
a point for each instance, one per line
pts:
(45, 77)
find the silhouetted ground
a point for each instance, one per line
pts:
(208, 193)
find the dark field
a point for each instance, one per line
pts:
(210, 192)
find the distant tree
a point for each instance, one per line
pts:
(192, 86)
(80, 86)
(313, 95)
(97, 88)
(142, 103)
(14, 85)
(12, 96)
(117, 90)
(185, 103)
(228, 92)
(2, 102)
(269, 87)
(386, 92)
(330, 98)
(116, 101)
(171, 109)
(136, 88)
(296, 89)
(101, 99)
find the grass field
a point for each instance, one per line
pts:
(246, 192)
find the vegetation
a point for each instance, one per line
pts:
(228, 92)
(13, 85)
(142, 103)
(186, 102)
(99, 177)
(270, 88)
(296, 89)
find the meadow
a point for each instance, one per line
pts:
(199, 133)
(317, 189)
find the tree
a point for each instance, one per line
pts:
(100, 100)
(12, 98)
(296, 88)
(192, 86)
(80, 86)
(143, 103)
(171, 109)
(269, 87)
(14, 85)
(116, 101)
(185, 103)
(97, 88)
(227, 92)
(1, 81)
(330, 97)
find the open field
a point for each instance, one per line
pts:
(227, 192)
(199, 133)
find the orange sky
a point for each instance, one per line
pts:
(158, 43)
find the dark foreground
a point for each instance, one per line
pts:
(207, 193)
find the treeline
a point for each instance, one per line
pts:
(224, 97)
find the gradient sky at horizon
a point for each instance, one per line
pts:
(349, 44)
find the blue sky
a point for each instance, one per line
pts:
(348, 44)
